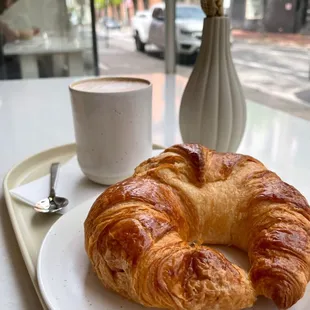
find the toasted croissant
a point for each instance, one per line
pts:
(139, 233)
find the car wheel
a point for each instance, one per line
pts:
(139, 44)
(188, 59)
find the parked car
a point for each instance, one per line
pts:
(149, 28)
(110, 23)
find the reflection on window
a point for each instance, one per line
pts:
(48, 38)
(187, 12)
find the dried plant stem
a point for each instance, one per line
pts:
(212, 8)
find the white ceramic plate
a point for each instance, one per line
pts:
(31, 228)
(67, 281)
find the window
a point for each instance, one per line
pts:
(45, 38)
(187, 12)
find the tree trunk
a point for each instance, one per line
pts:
(82, 14)
(105, 11)
(113, 11)
(135, 5)
(118, 10)
(146, 4)
(128, 17)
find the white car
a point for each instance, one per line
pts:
(149, 28)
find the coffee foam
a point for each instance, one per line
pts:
(110, 85)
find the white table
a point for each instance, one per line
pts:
(28, 51)
(36, 115)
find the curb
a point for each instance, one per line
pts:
(288, 103)
(288, 97)
(300, 91)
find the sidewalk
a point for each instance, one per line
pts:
(281, 39)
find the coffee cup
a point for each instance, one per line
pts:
(112, 119)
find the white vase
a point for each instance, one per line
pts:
(213, 108)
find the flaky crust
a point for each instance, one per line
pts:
(144, 235)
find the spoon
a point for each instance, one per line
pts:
(52, 203)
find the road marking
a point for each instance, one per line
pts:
(269, 68)
(103, 66)
(277, 53)
(277, 48)
(264, 50)
(131, 40)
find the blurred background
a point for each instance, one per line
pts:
(54, 38)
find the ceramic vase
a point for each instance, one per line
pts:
(213, 108)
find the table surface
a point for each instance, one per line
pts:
(40, 46)
(36, 115)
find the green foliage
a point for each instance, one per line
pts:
(116, 2)
(100, 4)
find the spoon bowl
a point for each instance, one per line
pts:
(52, 203)
(60, 201)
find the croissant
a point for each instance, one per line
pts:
(145, 236)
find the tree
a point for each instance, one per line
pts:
(135, 5)
(146, 4)
(117, 4)
(102, 5)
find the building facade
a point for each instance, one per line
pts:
(289, 16)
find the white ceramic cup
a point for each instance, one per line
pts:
(113, 126)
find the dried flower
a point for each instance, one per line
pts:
(212, 7)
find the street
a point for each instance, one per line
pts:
(272, 75)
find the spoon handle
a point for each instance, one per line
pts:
(54, 174)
